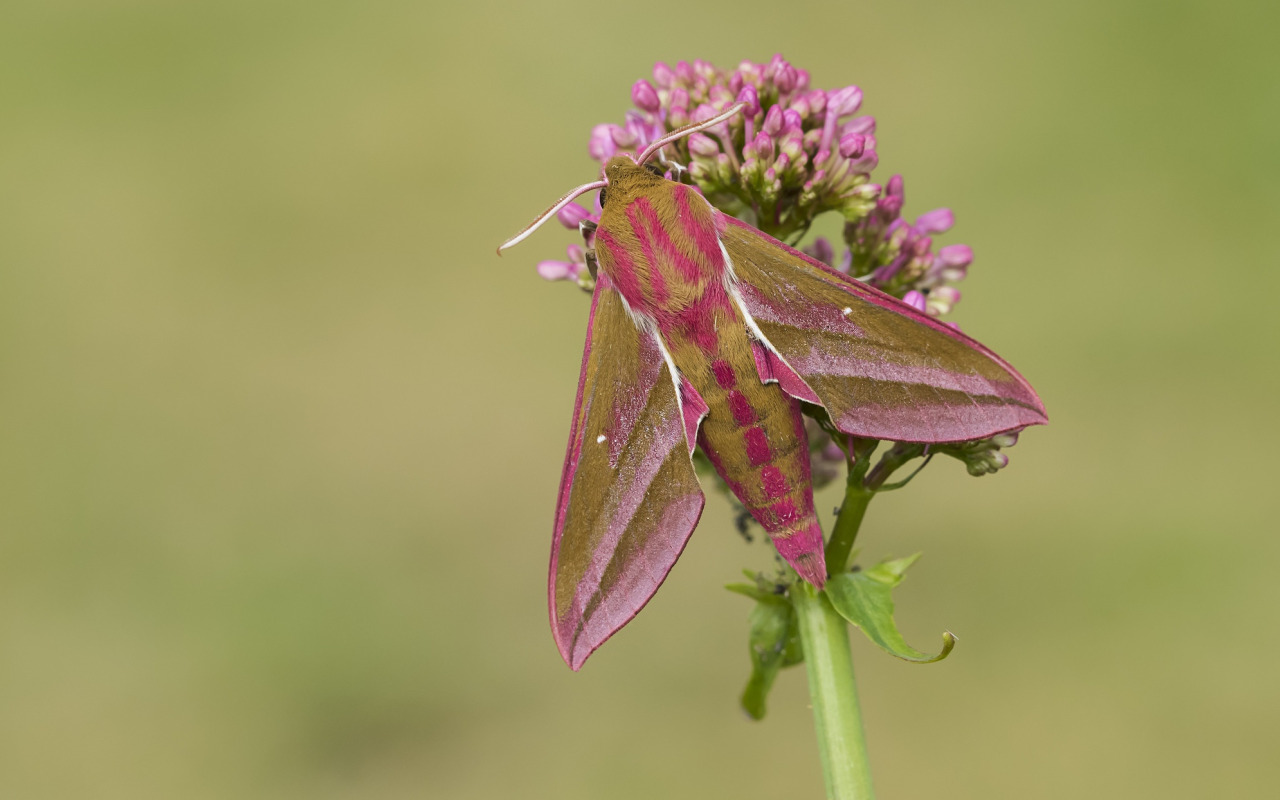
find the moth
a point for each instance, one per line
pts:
(705, 332)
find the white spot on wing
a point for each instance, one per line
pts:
(847, 311)
(601, 439)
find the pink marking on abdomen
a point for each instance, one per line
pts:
(803, 550)
(743, 413)
(775, 483)
(758, 451)
(723, 371)
(784, 513)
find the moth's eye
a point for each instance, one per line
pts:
(602, 198)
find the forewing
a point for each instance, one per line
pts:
(881, 368)
(629, 497)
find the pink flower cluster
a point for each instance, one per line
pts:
(794, 153)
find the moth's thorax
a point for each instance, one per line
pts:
(657, 241)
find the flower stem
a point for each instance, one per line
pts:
(837, 718)
(834, 695)
(856, 498)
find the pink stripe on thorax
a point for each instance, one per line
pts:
(704, 235)
(660, 239)
(623, 268)
(656, 281)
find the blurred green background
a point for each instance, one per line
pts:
(280, 435)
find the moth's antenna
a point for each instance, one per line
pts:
(680, 133)
(550, 212)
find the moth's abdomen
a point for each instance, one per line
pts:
(754, 435)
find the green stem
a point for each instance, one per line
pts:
(834, 695)
(856, 498)
(837, 717)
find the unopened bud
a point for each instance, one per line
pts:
(937, 221)
(571, 215)
(703, 145)
(645, 96)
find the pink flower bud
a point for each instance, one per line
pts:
(852, 145)
(622, 137)
(678, 107)
(601, 146)
(937, 221)
(865, 162)
(943, 299)
(663, 75)
(703, 146)
(955, 255)
(894, 187)
(750, 73)
(792, 121)
(773, 121)
(844, 101)
(684, 72)
(822, 250)
(720, 97)
(704, 111)
(786, 78)
(791, 145)
(863, 125)
(1005, 439)
(817, 100)
(764, 146)
(889, 206)
(571, 215)
(645, 96)
(915, 300)
(575, 254)
(748, 95)
(771, 69)
(555, 270)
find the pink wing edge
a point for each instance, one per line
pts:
(773, 366)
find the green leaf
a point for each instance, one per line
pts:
(757, 593)
(865, 599)
(773, 643)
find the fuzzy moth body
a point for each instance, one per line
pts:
(706, 332)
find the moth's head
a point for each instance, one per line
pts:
(627, 180)
(624, 177)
